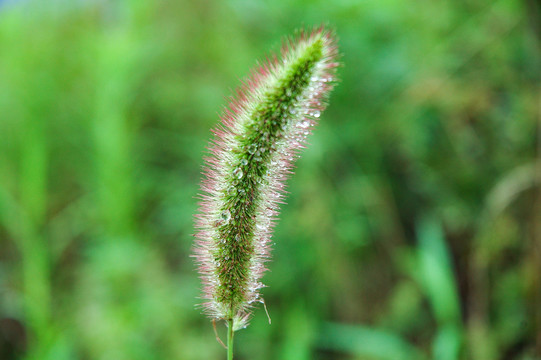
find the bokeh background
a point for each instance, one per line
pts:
(413, 224)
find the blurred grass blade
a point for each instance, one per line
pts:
(447, 342)
(437, 278)
(363, 341)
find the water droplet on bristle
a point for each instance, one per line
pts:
(244, 162)
(225, 216)
(252, 148)
(304, 124)
(238, 173)
(231, 190)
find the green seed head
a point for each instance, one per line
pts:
(250, 157)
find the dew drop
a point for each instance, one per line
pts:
(231, 190)
(237, 237)
(252, 148)
(304, 124)
(238, 173)
(244, 162)
(316, 113)
(225, 216)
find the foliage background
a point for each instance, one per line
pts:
(413, 227)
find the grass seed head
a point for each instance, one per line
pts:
(250, 157)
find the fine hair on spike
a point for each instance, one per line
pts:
(250, 156)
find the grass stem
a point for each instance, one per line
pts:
(230, 333)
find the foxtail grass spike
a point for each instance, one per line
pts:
(250, 157)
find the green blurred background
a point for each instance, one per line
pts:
(413, 226)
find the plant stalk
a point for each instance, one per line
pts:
(230, 334)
